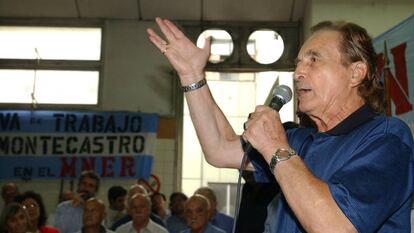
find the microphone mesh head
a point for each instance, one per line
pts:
(283, 92)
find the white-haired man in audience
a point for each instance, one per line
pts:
(139, 208)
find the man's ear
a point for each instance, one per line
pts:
(359, 71)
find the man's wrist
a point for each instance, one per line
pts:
(194, 86)
(280, 154)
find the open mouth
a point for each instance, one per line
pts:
(302, 91)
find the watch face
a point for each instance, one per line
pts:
(284, 154)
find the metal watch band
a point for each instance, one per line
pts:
(194, 86)
(277, 158)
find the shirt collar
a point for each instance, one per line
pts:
(101, 229)
(357, 118)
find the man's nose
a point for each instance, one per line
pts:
(299, 72)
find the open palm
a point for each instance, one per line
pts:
(186, 58)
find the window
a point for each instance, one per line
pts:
(265, 46)
(237, 94)
(50, 65)
(221, 44)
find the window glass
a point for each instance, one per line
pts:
(73, 79)
(49, 86)
(53, 43)
(221, 44)
(265, 46)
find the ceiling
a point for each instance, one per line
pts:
(147, 10)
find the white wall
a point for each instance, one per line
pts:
(136, 76)
(376, 16)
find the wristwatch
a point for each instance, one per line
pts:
(281, 154)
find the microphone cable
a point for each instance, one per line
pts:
(281, 95)
(237, 207)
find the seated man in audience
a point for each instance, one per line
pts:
(139, 208)
(176, 221)
(198, 217)
(117, 198)
(8, 191)
(69, 214)
(217, 218)
(93, 215)
(158, 201)
(134, 189)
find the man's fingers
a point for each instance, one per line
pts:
(207, 45)
(161, 44)
(165, 29)
(174, 29)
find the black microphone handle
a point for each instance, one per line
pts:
(276, 103)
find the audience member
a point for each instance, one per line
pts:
(32, 202)
(8, 191)
(116, 210)
(217, 218)
(139, 208)
(158, 208)
(14, 219)
(135, 189)
(197, 215)
(69, 214)
(93, 216)
(176, 222)
(66, 196)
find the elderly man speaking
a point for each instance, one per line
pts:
(353, 173)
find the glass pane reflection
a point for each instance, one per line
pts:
(265, 46)
(221, 44)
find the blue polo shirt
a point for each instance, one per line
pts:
(368, 162)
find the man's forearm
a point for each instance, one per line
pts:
(310, 198)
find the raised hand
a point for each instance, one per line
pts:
(186, 58)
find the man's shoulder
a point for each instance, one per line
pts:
(390, 126)
(213, 229)
(171, 218)
(64, 204)
(397, 125)
(124, 227)
(67, 206)
(154, 227)
(108, 231)
(224, 216)
(64, 208)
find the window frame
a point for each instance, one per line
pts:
(240, 60)
(46, 64)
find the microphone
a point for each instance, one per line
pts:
(281, 95)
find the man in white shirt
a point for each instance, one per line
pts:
(69, 214)
(93, 215)
(139, 208)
